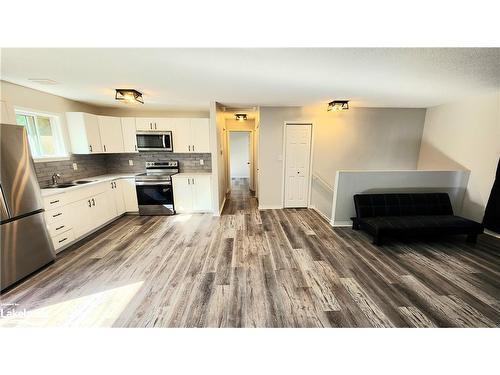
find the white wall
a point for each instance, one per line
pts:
(465, 135)
(218, 151)
(239, 147)
(357, 139)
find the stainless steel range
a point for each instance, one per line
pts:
(154, 188)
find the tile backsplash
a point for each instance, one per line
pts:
(94, 165)
(117, 163)
(88, 165)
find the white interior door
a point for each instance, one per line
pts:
(297, 162)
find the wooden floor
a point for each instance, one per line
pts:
(250, 268)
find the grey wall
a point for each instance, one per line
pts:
(357, 139)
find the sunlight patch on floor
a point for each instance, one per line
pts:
(94, 310)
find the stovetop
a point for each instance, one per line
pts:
(159, 170)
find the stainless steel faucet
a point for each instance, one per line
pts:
(55, 178)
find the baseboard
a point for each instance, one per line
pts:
(269, 207)
(221, 208)
(320, 213)
(340, 223)
(492, 234)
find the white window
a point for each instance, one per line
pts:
(44, 134)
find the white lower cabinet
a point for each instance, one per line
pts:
(129, 194)
(115, 193)
(72, 215)
(192, 193)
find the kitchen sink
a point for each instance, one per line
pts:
(61, 186)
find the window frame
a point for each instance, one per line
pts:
(57, 130)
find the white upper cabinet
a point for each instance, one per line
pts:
(128, 132)
(200, 131)
(146, 124)
(111, 134)
(191, 135)
(181, 137)
(84, 133)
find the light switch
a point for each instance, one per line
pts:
(202, 162)
(130, 162)
(75, 166)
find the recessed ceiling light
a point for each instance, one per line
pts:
(240, 116)
(338, 105)
(130, 96)
(43, 81)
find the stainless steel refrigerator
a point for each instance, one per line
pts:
(25, 242)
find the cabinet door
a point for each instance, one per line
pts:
(129, 195)
(202, 197)
(111, 134)
(84, 133)
(81, 216)
(181, 136)
(118, 196)
(200, 135)
(128, 132)
(164, 124)
(142, 123)
(183, 194)
(103, 209)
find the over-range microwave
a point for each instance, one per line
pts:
(154, 141)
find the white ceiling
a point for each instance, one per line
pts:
(191, 78)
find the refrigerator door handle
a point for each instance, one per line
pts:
(5, 212)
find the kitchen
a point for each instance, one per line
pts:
(118, 166)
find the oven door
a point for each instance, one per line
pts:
(155, 198)
(154, 141)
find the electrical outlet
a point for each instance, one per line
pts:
(75, 166)
(130, 162)
(202, 162)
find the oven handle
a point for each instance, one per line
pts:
(154, 183)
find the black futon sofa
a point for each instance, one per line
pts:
(410, 215)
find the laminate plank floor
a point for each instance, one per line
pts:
(251, 268)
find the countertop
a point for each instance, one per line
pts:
(182, 174)
(46, 192)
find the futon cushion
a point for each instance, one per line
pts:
(402, 204)
(419, 224)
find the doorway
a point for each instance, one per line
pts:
(297, 166)
(240, 147)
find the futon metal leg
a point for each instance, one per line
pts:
(472, 238)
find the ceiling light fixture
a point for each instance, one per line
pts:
(338, 105)
(240, 116)
(130, 96)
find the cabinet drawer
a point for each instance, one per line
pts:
(54, 201)
(59, 227)
(63, 239)
(56, 214)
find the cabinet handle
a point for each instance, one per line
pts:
(90, 203)
(56, 215)
(193, 181)
(155, 126)
(111, 185)
(151, 126)
(64, 239)
(61, 227)
(90, 147)
(193, 147)
(189, 147)
(189, 181)
(52, 202)
(104, 148)
(135, 147)
(93, 202)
